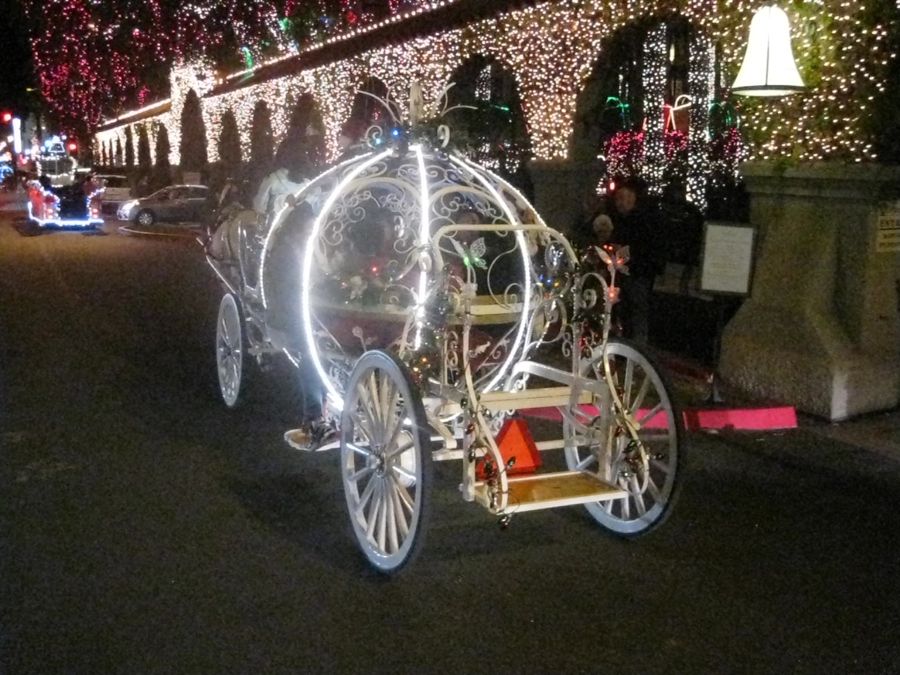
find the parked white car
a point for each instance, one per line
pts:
(117, 191)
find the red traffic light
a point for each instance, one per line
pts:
(72, 146)
(7, 117)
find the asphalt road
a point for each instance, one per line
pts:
(144, 528)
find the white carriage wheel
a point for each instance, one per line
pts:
(385, 465)
(649, 466)
(230, 350)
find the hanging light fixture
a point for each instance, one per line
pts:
(769, 68)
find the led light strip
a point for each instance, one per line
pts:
(333, 393)
(63, 222)
(424, 226)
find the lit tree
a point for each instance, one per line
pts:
(193, 135)
(229, 142)
(143, 150)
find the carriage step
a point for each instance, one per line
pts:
(548, 397)
(552, 490)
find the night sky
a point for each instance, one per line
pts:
(15, 59)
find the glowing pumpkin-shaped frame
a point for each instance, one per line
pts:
(400, 199)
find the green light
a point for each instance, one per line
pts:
(248, 57)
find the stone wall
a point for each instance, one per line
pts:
(821, 329)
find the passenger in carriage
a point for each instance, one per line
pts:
(283, 272)
(291, 174)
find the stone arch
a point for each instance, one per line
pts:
(366, 111)
(639, 132)
(306, 126)
(192, 147)
(496, 128)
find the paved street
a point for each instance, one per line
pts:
(144, 528)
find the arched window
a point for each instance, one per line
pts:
(306, 128)
(366, 112)
(645, 107)
(492, 125)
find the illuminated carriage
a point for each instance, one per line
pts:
(439, 312)
(65, 206)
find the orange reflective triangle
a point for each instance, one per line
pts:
(515, 442)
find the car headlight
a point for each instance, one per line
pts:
(126, 208)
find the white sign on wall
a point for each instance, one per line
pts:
(727, 258)
(887, 231)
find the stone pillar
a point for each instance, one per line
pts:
(560, 187)
(821, 329)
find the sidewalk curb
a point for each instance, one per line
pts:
(173, 232)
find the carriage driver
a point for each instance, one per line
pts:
(290, 176)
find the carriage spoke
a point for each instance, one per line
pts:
(397, 469)
(653, 489)
(639, 398)
(364, 417)
(403, 496)
(359, 450)
(372, 520)
(366, 414)
(400, 449)
(637, 495)
(372, 403)
(392, 538)
(394, 433)
(626, 506)
(382, 516)
(387, 405)
(399, 507)
(365, 497)
(649, 415)
(362, 473)
(629, 380)
(664, 467)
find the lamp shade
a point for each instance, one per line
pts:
(769, 68)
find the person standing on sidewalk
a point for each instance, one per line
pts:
(632, 220)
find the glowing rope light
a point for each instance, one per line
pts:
(333, 393)
(424, 227)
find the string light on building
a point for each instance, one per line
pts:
(551, 48)
(655, 78)
(701, 57)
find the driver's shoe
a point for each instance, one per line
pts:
(310, 436)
